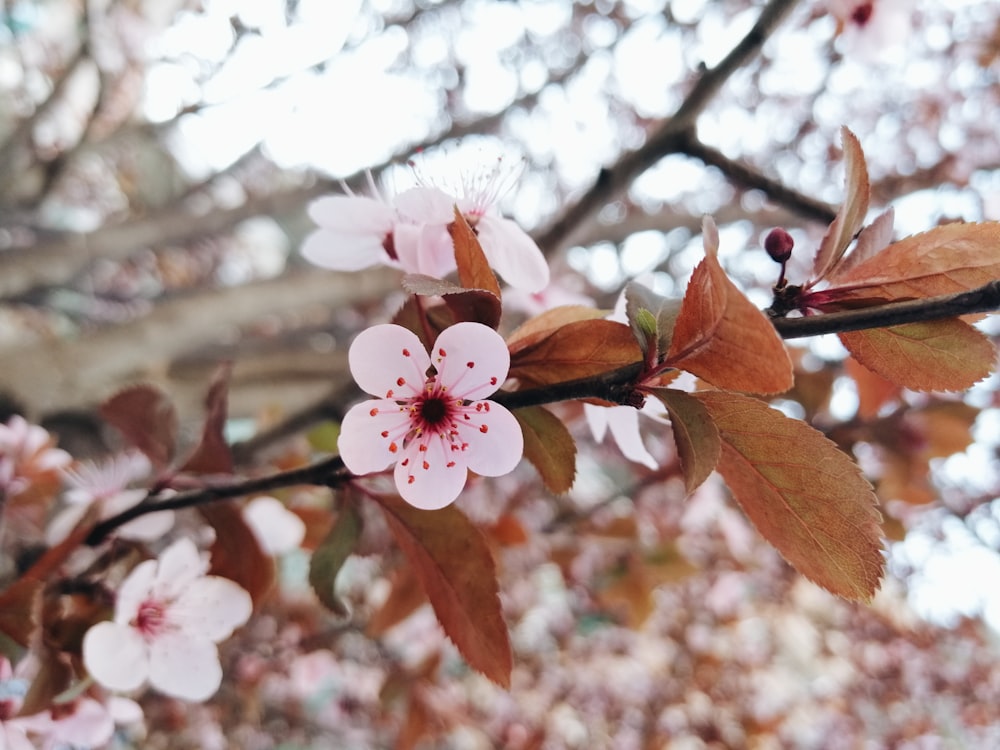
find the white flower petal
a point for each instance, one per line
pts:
(135, 589)
(185, 666)
(472, 360)
(211, 607)
(277, 529)
(148, 528)
(382, 355)
(115, 656)
(353, 214)
(179, 565)
(426, 205)
(498, 450)
(426, 480)
(89, 725)
(623, 421)
(597, 420)
(344, 252)
(64, 522)
(513, 254)
(362, 445)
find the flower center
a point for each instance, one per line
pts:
(433, 411)
(151, 620)
(862, 13)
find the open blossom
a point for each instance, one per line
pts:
(411, 232)
(168, 617)
(873, 28)
(430, 423)
(106, 485)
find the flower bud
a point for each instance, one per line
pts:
(779, 244)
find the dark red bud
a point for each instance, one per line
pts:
(779, 244)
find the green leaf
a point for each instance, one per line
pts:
(329, 557)
(549, 447)
(453, 562)
(658, 321)
(804, 495)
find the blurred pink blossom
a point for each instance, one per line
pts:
(277, 529)
(432, 426)
(168, 617)
(106, 486)
(26, 453)
(871, 28)
(410, 232)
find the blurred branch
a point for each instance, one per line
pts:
(19, 141)
(672, 134)
(67, 373)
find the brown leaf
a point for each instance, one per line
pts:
(212, 456)
(236, 553)
(330, 556)
(472, 305)
(20, 602)
(940, 355)
(473, 269)
(52, 677)
(406, 595)
(549, 447)
(722, 337)
(805, 496)
(696, 436)
(576, 350)
(874, 391)
(535, 329)
(145, 415)
(946, 259)
(852, 213)
(453, 562)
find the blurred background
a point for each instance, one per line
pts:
(156, 161)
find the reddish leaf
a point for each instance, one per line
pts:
(852, 213)
(696, 436)
(722, 337)
(212, 456)
(236, 553)
(20, 602)
(940, 355)
(805, 496)
(146, 417)
(872, 240)
(53, 676)
(473, 269)
(576, 350)
(330, 556)
(406, 595)
(549, 447)
(472, 305)
(534, 330)
(874, 391)
(453, 562)
(946, 259)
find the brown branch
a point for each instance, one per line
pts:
(329, 472)
(670, 136)
(982, 299)
(610, 386)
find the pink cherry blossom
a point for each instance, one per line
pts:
(623, 423)
(430, 423)
(168, 617)
(26, 453)
(873, 28)
(410, 232)
(106, 486)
